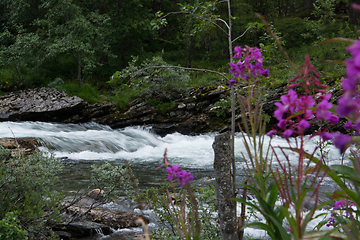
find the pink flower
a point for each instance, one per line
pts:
(232, 82)
(341, 141)
(251, 65)
(304, 124)
(271, 133)
(326, 136)
(288, 133)
(348, 126)
(237, 51)
(346, 105)
(287, 106)
(172, 171)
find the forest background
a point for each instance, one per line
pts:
(78, 46)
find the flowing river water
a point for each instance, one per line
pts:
(81, 145)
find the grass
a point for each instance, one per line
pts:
(86, 91)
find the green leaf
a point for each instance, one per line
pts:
(321, 234)
(346, 170)
(338, 180)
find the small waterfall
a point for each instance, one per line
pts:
(99, 231)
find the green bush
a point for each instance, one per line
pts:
(150, 80)
(26, 188)
(9, 229)
(206, 198)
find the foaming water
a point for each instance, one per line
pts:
(85, 144)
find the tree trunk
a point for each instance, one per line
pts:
(79, 70)
(224, 187)
(354, 16)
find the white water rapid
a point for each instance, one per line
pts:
(81, 145)
(85, 144)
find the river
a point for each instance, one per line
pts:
(81, 145)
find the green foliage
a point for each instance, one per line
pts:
(222, 107)
(324, 9)
(152, 79)
(269, 48)
(113, 179)
(85, 91)
(9, 229)
(206, 198)
(26, 187)
(161, 106)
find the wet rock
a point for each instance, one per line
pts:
(112, 218)
(96, 194)
(17, 145)
(82, 229)
(63, 235)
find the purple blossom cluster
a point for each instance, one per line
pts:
(349, 102)
(340, 205)
(296, 112)
(183, 176)
(175, 172)
(249, 65)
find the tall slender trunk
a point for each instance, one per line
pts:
(232, 144)
(232, 93)
(79, 70)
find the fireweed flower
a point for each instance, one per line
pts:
(288, 104)
(175, 172)
(326, 136)
(296, 113)
(249, 65)
(237, 52)
(349, 126)
(304, 124)
(341, 141)
(347, 105)
(184, 177)
(339, 206)
(349, 102)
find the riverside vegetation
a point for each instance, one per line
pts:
(27, 193)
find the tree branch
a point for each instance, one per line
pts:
(170, 14)
(203, 18)
(242, 34)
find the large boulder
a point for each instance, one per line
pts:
(112, 218)
(40, 104)
(49, 105)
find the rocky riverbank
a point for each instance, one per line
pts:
(198, 112)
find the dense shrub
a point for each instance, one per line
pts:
(26, 191)
(150, 80)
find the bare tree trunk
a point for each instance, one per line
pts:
(79, 70)
(232, 94)
(224, 187)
